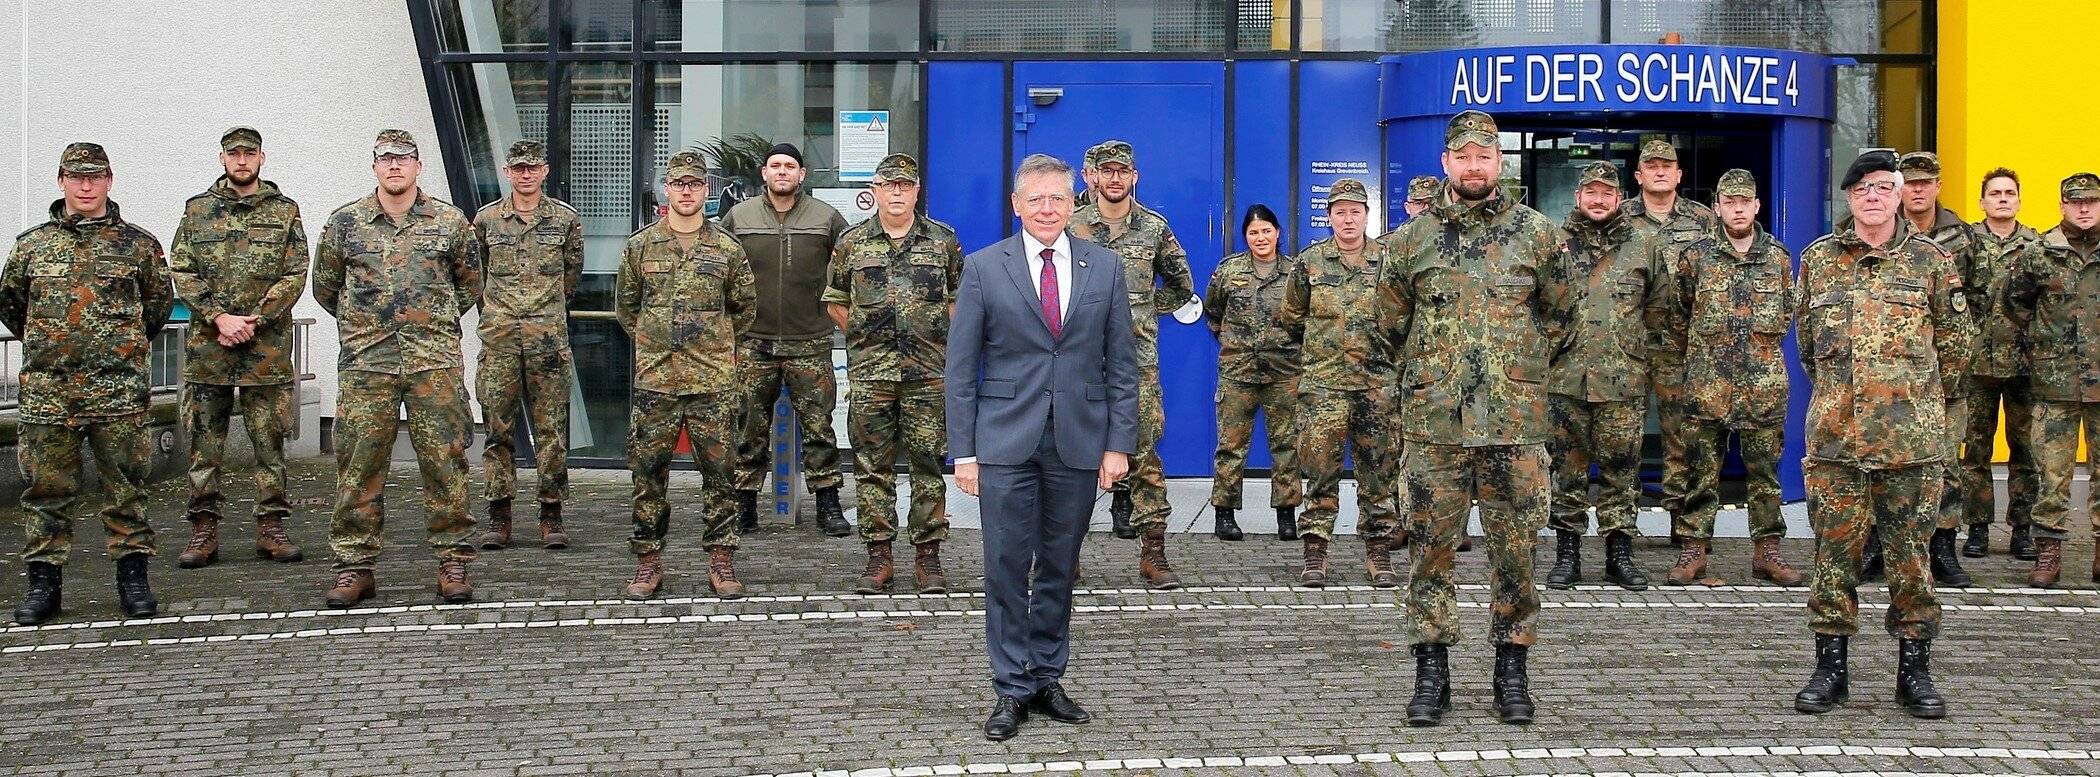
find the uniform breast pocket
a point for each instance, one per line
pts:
(871, 282)
(929, 276)
(51, 291)
(710, 279)
(503, 254)
(1327, 297)
(551, 259)
(116, 288)
(1514, 290)
(1830, 323)
(1907, 318)
(1769, 308)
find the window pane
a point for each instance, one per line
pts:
(1080, 25)
(483, 26)
(1878, 106)
(1265, 25)
(787, 25)
(747, 108)
(1429, 25)
(1831, 26)
(600, 25)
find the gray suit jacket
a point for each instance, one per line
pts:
(1005, 371)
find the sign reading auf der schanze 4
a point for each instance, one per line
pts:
(1605, 78)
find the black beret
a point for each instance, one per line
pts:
(1870, 162)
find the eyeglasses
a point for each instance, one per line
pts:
(394, 160)
(893, 187)
(1116, 172)
(1059, 200)
(685, 185)
(1875, 187)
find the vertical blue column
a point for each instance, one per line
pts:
(1797, 194)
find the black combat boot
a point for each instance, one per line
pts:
(1914, 680)
(830, 519)
(1119, 514)
(1870, 561)
(1567, 561)
(1830, 685)
(1286, 523)
(1432, 685)
(1619, 568)
(1946, 564)
(1512, 684)
(746, 510)
(1227, 529)
(1978, 544)
(2022, 544)
(134, 596)
(47, 584)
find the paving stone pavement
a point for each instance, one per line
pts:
(550, 673)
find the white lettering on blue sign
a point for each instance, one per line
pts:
(1635, 79)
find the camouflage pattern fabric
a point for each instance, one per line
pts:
(1685, 224)
(535, 383)
(49, 455)
(1724, 320)
(1245, 310)
(896, 294)
(1614, 280)
(245, 256)
(1439, 483)
(2057, 435)
(1237, 401)
(806, 369)
(2053, 297)
(707, 418)
(397, 290)
(1706, 444)
(1607, 434)
(883, 416)
(1156, 270)
(2001, 341)
(684, 309)
(2023, 481)
(1958, 239)
(1327, 420)
(367, 421)
(267, 412)
(1147, 480)
(86, 297)
(1845, 502)
(1330, 309)
(533, 263)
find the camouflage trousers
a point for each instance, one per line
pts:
(1607, 434)
(1672, 414)
(1706, 447)
(884, 415)
(538, 384)
(1844, 503)
(1147, 480)
(49, 455)
(1330, 420)
(367, 420)
(652, 439)
(207, 410)
(1950, 514)
(1441, 482)
(805, 368)
(1278, 402)
(2056, 435)
(1979, 491)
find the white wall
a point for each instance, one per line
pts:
(156, 83)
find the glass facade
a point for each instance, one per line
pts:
(613, 86)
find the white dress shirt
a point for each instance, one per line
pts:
(1061, 258)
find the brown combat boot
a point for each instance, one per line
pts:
(1691, 563)
(1314, 573)
(273, 544)
(1767, 564)
(648, 576)
(1378, 562)
(2048, 562)
(552, 535)
(453, 585)
(926, 569)
(498, 535)
(1152, 561)
(721, 572)
(204, 542)
(351, 586)
(882, 568)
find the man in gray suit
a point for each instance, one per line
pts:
(1042, 414)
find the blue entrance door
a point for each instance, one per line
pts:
(1172, 113)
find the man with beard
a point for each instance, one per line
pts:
(788, 237)
(1673, 222)
(1998, 372)
(1156, 269)
(239, 263)
(1727, 310)
(1921, 207)
(1467, 302)
(397, 268)
(1597, 389)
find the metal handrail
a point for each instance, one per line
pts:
(164, 366)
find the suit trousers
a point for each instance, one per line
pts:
(1035, 516)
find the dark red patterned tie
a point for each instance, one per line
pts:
(1048, 287)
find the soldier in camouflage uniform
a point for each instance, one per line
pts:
(1726, 313)
(1597, 389)
(1883, 317)
(686, 297)
(1257, 369)
(85, 292)
(788, 237)
(1673, 222)
(1345, 385)
(533, 244)
(1157, 271)
(1467, 299)
(2055, 299)
(239, 263)
(893, 281)
(1421, 194)
(1998, 372)
(1921, 207)
(397, 268)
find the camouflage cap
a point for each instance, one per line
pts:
(1919, 166)
(1471, 127)
(1600, 171)
(526, 152)
(1657, 148)
(1421, 188)
(1110, 151)
(2081, 186)
(1348, 190)
(393, 141)
(685, 164)
(1736, 183)
(897, 167)
(83, 159)
(240, 137)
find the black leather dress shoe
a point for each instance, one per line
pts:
(1055, 705)
(1007, 716)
